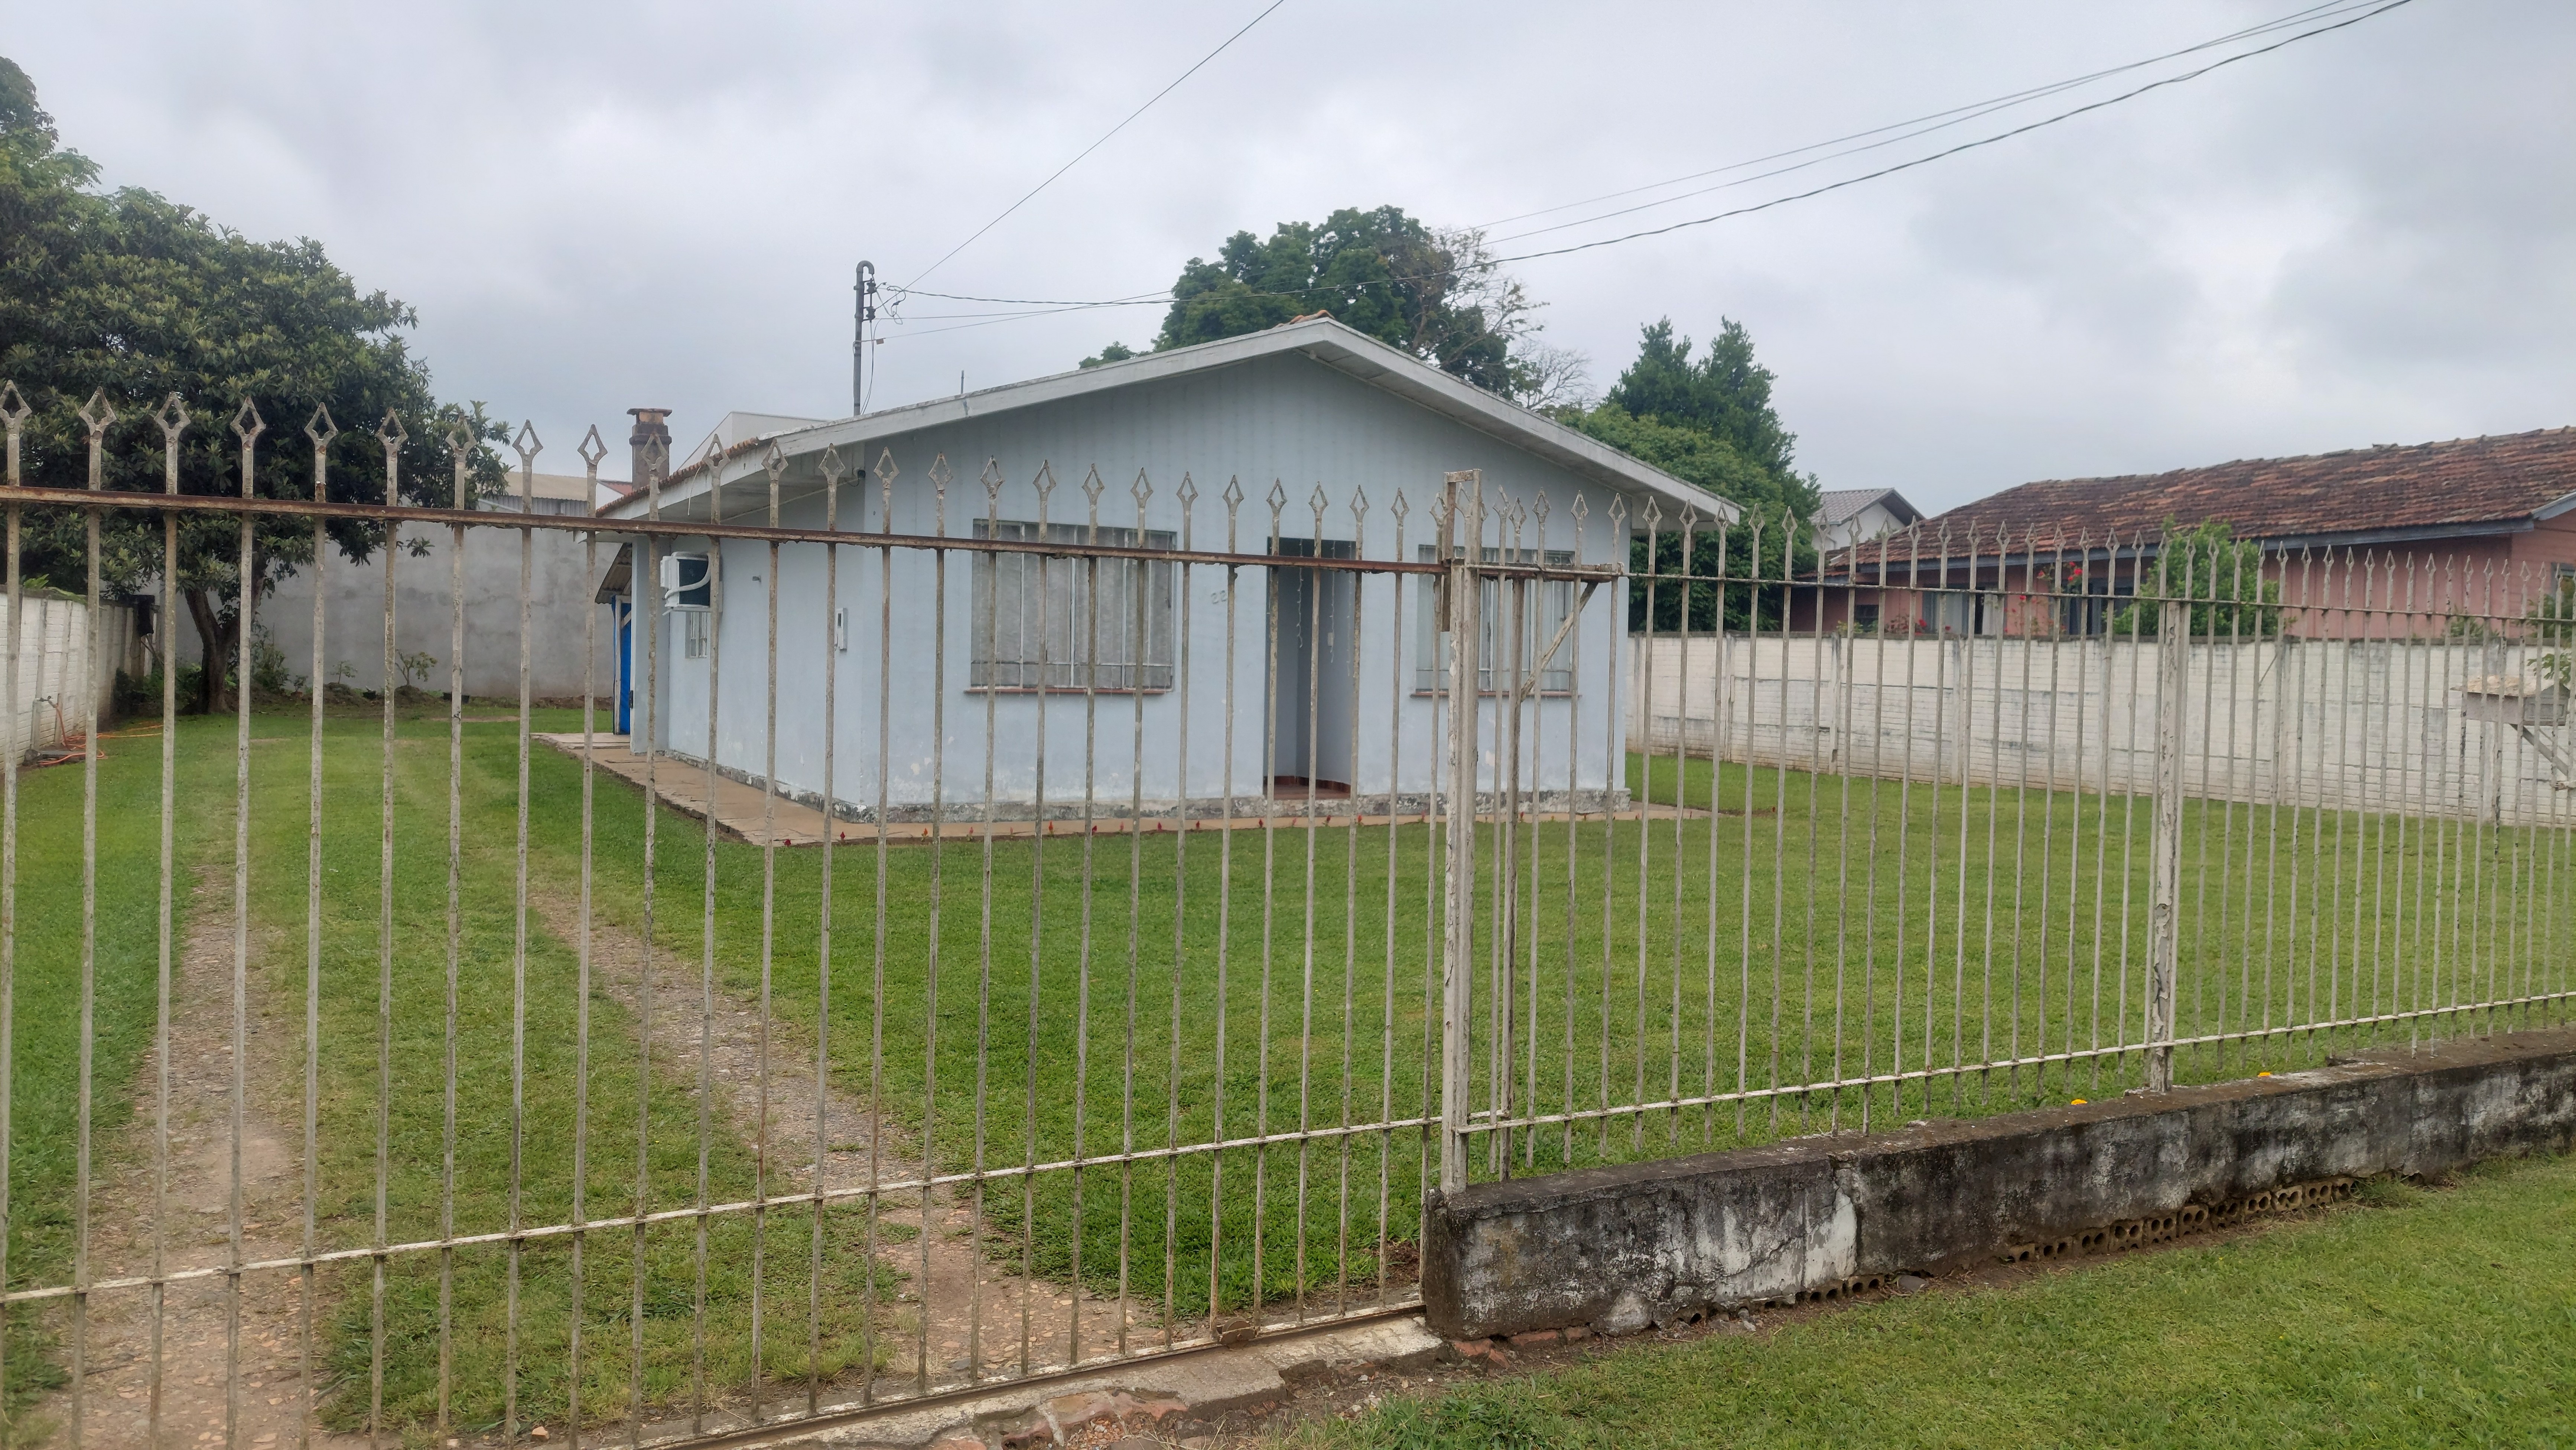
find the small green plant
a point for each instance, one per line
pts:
(1480, 1417)
(268, 673)
(2388, 1191)
(2220, 574)
(419, 662)
(141, 694)
(2553, 626)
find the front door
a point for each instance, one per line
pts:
(1311, 691)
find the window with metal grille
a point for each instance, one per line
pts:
(1068, 622)
(693, 633)
(1550, 601)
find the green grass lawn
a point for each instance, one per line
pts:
(1323, 982)
(1135, 989)
(45, 1005)
(2416, 1317)
(678, 1159)
(46, 1077)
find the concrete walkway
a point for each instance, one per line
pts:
(682, 785)
(737, 808)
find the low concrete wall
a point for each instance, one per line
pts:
(560, 590)
(62, 692)
(1620, 1248)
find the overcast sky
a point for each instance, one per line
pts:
(2367, 237)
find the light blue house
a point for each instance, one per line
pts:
(1127, 679)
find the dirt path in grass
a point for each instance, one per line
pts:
(963, 1285)
(202, 1323)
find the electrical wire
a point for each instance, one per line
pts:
(1981, 141)
(1953, 116)
(1096, 145)
(1051, 307)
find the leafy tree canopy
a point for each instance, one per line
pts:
(1699, 457)
(1725, 394)
(1710, 422)
(1434, 293)
(129, 294)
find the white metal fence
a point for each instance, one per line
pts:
(1028, 1000)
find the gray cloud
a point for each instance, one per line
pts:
(2364, 238)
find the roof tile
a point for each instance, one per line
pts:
(2389, 487)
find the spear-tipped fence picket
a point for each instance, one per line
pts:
(1489, 835)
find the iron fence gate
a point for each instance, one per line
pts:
(435, 1084)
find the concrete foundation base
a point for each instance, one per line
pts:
(1620, 1249)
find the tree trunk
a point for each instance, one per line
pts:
(216, 643)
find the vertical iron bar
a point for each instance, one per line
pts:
(1581, 509)
(1089, 577)
(13, 412)
(1188, 495)
(1317, 581)
(885, 476)
(774, 464)
(173, 418)
(1138, 576)
(1459, 932)
(591, 450)
(527, 446)
(321, 431)
(1045, 483)
(247, 609)
(1271, 677)
(459, 444)
(992, 480)
(656, 461)
(89, 932)
(1358, 584)
(835, 640)
(1224, 926)
(390, 434)
(707, 952)
(1394, 841)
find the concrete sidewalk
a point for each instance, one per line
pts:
(682, 785)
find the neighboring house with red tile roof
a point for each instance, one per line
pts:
(2391, 539)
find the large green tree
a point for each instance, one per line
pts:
(126, 294)
(1434, 293)
(1710, 421)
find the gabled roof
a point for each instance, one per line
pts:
(1321, 339)
(2385, 493)
(1839, 505)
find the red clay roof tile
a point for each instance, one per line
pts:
(2432, 487)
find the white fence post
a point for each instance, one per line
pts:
(1457, 1063)
(2164, 926)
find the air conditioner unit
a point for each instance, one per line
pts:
(685, 582)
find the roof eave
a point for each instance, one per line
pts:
(1324, 341)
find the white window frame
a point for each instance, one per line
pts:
(1033, 625)
(1551, 601)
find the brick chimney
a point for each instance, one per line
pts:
(650, 446)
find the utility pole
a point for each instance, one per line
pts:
(863, 311)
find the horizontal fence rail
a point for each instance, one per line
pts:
(991, 926)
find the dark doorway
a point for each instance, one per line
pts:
(1310, 674)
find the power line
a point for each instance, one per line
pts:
(1048, 307)
(1955, 115)
(1096, 145)
(1962, 146)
